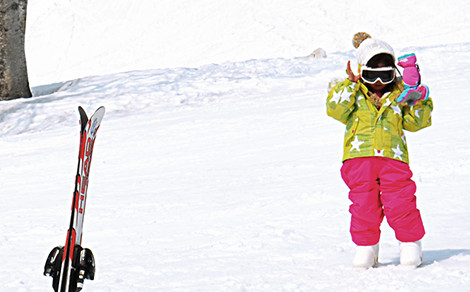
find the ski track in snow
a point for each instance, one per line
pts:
(225, 177)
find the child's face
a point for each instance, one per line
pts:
(377, 86)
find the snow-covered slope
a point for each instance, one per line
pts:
(216, 167)
(71, 39)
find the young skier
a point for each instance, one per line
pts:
(376, 107)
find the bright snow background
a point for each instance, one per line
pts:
(216, 167)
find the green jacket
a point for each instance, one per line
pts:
(371, 131)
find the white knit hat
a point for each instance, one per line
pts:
(371, 47)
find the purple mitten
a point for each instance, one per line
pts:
(411, 76)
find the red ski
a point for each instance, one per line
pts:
(71, 264)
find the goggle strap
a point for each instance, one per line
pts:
(396, 69)
(401, 76)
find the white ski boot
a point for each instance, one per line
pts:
(411, 254)
(366, 256)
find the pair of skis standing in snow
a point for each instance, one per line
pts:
(71, 264)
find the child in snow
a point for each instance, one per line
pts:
(376, 107)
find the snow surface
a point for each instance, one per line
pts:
(216, 167)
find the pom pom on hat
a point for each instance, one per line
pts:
(359, 38)
(368, 47)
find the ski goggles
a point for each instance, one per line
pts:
(383, 74)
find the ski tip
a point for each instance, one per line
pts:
(83, 118)
(81, 110)
(99, 113)
(101, 109)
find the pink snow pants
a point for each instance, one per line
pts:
(381, 186)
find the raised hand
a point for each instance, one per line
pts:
(351, 75)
